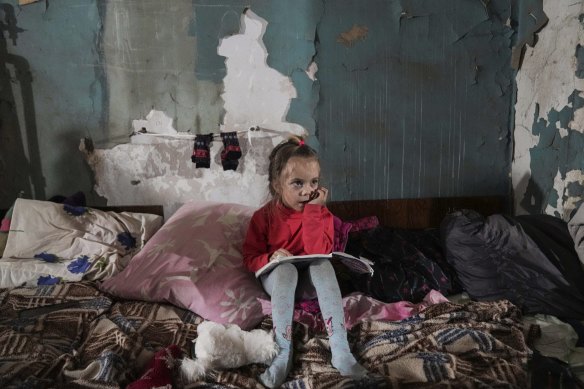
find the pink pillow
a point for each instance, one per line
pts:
(194, 261)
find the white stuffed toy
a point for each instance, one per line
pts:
(227, 346)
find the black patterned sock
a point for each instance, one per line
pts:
(201, 151)
(231, 150)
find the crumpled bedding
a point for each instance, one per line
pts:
(529, 260)
(358, 307)
(72, 335)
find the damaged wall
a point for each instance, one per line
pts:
(414, 95)
(51, 95)
(548, 161)
(154, 170)
(402, 98)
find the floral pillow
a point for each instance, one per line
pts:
(48, 242)
(194, 261)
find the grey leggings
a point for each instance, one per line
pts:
(287, 282)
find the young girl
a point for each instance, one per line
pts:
(296, 222)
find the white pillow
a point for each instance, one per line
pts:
(50, 242)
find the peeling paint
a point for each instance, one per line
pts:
(549, 120)
(311, 71)
(254, 93)
(157, 170)
(414, 108)
(156, 122)
(163, 173)
(409, 110)
(144, 71)
(529, 17)
(552, 158)
(568, 194)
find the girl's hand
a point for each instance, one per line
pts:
(280, 253)
(319, 196)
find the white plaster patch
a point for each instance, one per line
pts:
(547, 77)
(311, 71)
(163, 173)
(566, 203)
(156, 122)
(254, 94)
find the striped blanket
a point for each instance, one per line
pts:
(72, 335)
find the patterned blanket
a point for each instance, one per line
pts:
(72, 335)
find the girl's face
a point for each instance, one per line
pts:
(299, 178)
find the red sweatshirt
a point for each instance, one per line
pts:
(273, 227)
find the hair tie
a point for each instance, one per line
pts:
(300, 142)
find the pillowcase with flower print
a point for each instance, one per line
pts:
(50, 243)
(195, 262)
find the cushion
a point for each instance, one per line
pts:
(49, 243)
(195, 262)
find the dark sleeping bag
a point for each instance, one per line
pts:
(408, 264)
(529, 260)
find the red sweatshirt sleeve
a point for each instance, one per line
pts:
(255, 246)
(317, 229)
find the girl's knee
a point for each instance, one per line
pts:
(286, 271)
(322, 266)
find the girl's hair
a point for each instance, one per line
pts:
(281, 154)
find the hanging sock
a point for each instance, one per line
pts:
(231, 150)
(201, 151)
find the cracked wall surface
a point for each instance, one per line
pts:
(401, 98)
(159, 170)
(548, 160)
(416, 96)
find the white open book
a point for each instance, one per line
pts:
(358, 265)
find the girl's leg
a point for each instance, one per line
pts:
(280, 284)
(323, 277)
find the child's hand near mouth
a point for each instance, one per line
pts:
(319, 196)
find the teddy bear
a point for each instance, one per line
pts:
(226, 346)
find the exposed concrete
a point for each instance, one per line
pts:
(549, 117)
(158, 170)
(254, 93)
(149, 59)
(408, 107)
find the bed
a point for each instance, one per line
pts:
(101, 329)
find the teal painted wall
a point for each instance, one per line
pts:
(416, 104)
(52, 94)
(420, 105)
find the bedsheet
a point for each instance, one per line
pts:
(72, 335)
